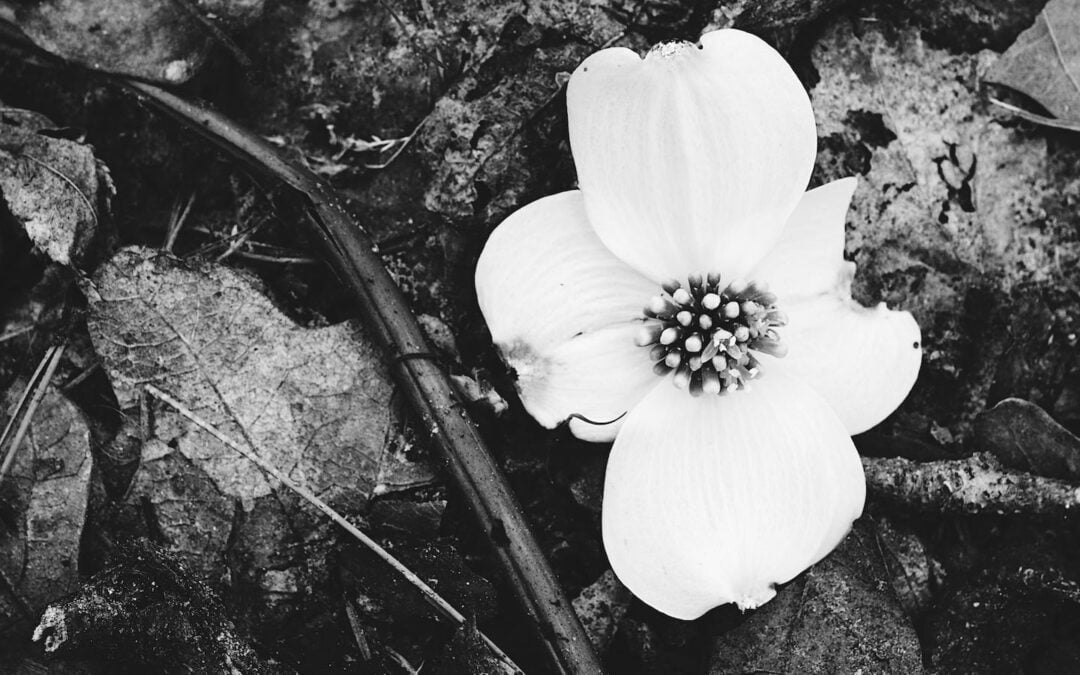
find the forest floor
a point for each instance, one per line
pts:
(434, 121)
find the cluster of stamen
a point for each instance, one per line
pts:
(706, 334)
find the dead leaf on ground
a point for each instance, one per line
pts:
(1044, 62)
(54, 187)
(316, 403)
(840, 617)
(153, 39)
(959, 217)
(1024, 436)
(43, 503)
(915, 574)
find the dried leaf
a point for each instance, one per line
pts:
(43, 506)
(957, 217)
(313, 402)
(1024, 436)
(1044, 62)
(834, 619)
(53, 186)
(914, 573)
(153, 39)
(316, 403)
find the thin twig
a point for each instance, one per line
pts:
(176, 222)
(17, 412)
(357, 630)
(1068, 125)
(440, 605)
(11, 335)
(40, 386)
(234, 246)
(248, 255)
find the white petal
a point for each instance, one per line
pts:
(809, 257)
(715, 499)
(598, 375)
(692, 159)
(563, 312)
(862, 360)
(545, 276)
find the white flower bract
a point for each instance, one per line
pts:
(693, 160)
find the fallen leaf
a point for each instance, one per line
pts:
(153, 39)
(914, 572)
(958, 216)
(839, 617)
(54, 187)
(1044, 62)
(43, 503)
(1024, 436)
(315, 403)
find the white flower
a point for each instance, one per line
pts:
(692, 163)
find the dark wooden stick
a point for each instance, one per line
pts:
(441, 415)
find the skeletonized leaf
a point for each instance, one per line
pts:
(1044, 62)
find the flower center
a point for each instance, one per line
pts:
(706, 335)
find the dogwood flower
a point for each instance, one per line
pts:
(692, 291)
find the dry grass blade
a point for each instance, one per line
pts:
(176, 221)
(1068, 125)
(38, 384)
(440, 605)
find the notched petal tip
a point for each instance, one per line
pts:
(715, 500)
(693, 157)
(863, 360)
(757, 599)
